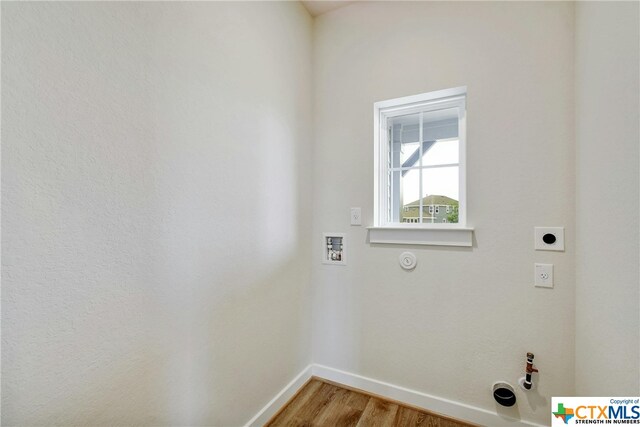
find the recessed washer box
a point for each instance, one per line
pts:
(334, 248)
(549, 238)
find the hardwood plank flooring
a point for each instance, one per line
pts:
(319, 403)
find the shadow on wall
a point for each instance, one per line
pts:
(256, 317)
(164, 154)
(239, 256)
(255, 337)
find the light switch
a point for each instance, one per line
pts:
(543, 275)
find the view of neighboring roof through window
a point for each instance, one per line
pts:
(420, 142)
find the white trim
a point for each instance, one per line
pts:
(382, 110)
(437, 234)
(429, 96)
(420, 193)
(408, 168)
(281, 398)
(462, 161)
(378, 184)
(429, 402)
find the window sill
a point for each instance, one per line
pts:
(436, 236)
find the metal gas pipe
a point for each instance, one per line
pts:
(529, 369)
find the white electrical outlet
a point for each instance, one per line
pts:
(543, 275)
(356, 216)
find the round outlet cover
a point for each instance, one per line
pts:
(408, 260)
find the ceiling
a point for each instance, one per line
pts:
(318, 7)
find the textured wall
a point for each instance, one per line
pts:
(607, 203)
(152, 274)
(155, 207)
(465, 317)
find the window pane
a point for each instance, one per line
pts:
(440, 189)
(440, 136)
(405, 154)
(404, 147)
(420, 149)
(441, 153)
(440, 124)
(405, 190)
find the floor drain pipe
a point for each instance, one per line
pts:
(503, 393)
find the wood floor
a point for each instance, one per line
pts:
(320, 403)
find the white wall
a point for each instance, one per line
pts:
(143, 140)
(155, 201)
(465, 317)
(607, 204)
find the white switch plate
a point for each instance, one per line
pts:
(356, 216)
(539, 236)
(543, 275)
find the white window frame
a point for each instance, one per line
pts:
(447, 234)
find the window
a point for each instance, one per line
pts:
(420, 161)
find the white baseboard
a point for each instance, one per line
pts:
(280, 399)
(431, 403)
